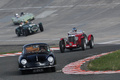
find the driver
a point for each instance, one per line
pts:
(74, 29)
(42, 49)
(26, 22)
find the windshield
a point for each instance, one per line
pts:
(36, 48)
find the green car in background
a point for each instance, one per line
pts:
(22, 18)
(28, 28)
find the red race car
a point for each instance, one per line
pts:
(76, 40)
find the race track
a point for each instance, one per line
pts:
(97, 17)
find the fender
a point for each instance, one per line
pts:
(89, 37)
(62, 39)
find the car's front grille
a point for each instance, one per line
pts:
(36, 58)
(71, 39)
(42, 59)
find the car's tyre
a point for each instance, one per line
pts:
(83, 44)
(23, 72)
(85, 37)
(91, 42)
(14, 23)
(33, 18)
(41, 27)
(18, 34)
(53, 69)
(25, 32)
(62, 46)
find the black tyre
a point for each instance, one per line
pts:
(18, 34)
(41, 27)
(25, 32)
(62, 46)
(33, 18)
(85, 37)
(23, 72)
(53, 69)
(91, 42)
(16, 23)
(83, 44)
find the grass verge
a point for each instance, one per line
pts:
(9, 52)
(107, 62)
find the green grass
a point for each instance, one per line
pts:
(107, 62)
(9, 52)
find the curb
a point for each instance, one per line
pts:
(75, 67)
(18, 53)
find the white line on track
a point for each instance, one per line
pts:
(67, 6)
(104, 4)
(108, 42)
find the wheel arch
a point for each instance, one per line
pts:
(90, 36)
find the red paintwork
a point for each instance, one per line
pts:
(62, 39)
(89, 37)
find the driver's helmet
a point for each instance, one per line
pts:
(74, 29)
(16, 15)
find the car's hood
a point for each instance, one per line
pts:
(36, 57)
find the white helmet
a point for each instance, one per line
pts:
(16, 14)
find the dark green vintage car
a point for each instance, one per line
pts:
(29, 28)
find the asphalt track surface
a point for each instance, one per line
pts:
(97, 17)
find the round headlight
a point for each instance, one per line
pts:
(23, 61)
(50, 59)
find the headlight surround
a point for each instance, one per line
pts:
(51, 60)
(23, 61)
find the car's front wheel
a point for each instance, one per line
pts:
(17, 32)
(25, 32)
(83, 44)
(41, 27)
(62, 46)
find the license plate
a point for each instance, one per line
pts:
(38, 70)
